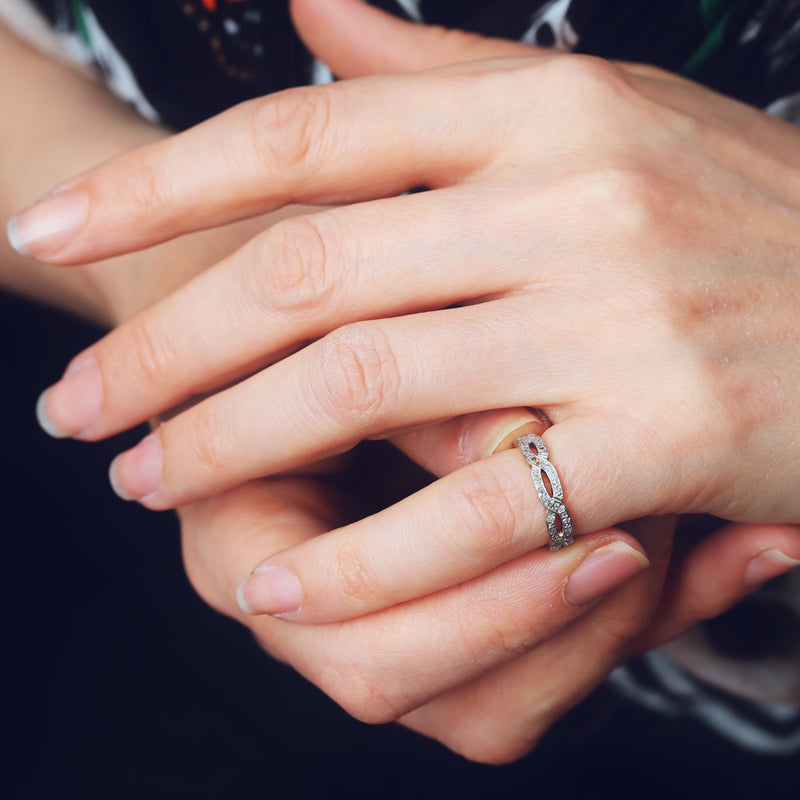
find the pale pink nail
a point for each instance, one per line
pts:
(74, 405)
(270, 590)
(602, 571)
(767, 565)
(136, 475)
(49, 225)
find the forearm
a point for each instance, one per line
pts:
(56, 123)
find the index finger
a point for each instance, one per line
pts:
(345, 142)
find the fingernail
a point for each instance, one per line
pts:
(136, 475)
(49, 225)
(602, 571)
(270, 590)
(72, 406)
(767, 565)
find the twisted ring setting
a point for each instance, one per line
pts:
(538, 459)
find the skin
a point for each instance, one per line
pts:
(32, 160)
(498, 596)
(684, 248)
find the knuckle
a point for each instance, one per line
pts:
(355, 577)
(586, 78)
(151, 350)
(205, 440)
(488, 509)
(497, 749)
(142, 189)
(352, 686)
(508, 635)
(288, 127)
(631, 201)
(619, 629)
(696, 608)
(290, 271)
(359, 376)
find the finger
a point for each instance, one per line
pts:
(293, 283)
(718, 572)
(503, 714)
(457, 528)
(361, 380)
(374, 670)
(353, 384)
(356, 39)
(447, 446)
(453, 530)
(374, 377)
(317, 145)
(372, 666)
(262, 516)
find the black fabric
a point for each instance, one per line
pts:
(193, 58)
(122, 683)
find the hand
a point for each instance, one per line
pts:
(473, 666)
(43, 141)
(439, 716)
(683, 404)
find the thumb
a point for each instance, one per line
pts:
(354, 39)
(718, 572)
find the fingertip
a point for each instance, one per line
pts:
(767, 565)
(50, 225)
(515, 426)
(15, 237)
(453, 444)
(602, 571)
(43, 418)
(74, 405)
(116, 486)
(271, 590)
(136, 474)
(241, 599)
(355, 38)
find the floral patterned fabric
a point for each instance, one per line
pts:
(188, 59)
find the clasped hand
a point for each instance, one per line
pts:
(610, 244)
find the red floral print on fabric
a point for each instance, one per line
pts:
(211, 5)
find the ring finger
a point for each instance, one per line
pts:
(457, 528)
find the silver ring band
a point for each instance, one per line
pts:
(553, 503)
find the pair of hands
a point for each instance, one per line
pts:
(610, 244)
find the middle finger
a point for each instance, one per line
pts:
(293, 283)
(361, 380)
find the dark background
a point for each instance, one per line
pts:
(122, 684)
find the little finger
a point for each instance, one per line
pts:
(717, 572)
(463, 525)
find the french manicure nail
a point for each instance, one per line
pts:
(74, 404)
(270, 590)
(602, 571)
(43, 418)
(49, 225)
(136, 474)
(767, 565)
